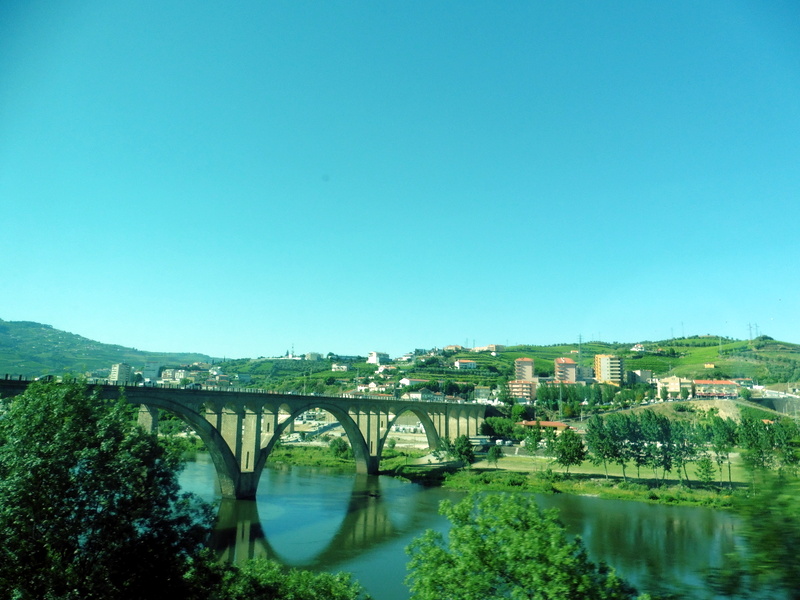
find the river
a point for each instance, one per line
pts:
(328, 521)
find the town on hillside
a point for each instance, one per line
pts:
(566, 384)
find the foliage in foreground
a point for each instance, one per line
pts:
(262, 579)
(91, 508)
(505, 546)
(769, 560)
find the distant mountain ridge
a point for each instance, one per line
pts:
(34, 349)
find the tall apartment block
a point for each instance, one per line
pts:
(566, 370)
(121, 372)
(609, 368)
(523, 369)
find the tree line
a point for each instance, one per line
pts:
(651, 440)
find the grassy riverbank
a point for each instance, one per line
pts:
(537, 474)
(525, 473)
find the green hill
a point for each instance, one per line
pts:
(33, 349)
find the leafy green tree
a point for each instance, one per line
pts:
(501, 427)
(90, 506)
(684, 446)
(494, 454)
(785, 434)
(462, 450)
(570, 450)
(504, 546)
(723, 441)
(622, 433)
(599, 442)
(340, 448)
(261, 579)
(755, 436)
(534, 435)
(705, 470)
(656, 431)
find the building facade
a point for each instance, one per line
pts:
(523, 369)
(566, 370)
(609, 368)
(121, 372)
(522, 390)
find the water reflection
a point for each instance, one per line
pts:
(649, 544)
(314, 518)
(327, 521)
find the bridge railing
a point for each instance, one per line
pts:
(211, 388)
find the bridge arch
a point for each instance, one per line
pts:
(220, 453)
(351, 429)
(431, 433)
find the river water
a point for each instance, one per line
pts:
(324, 520)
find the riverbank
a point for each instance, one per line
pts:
(519, 473)
(535, 474)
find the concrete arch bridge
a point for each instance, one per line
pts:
(240, 428)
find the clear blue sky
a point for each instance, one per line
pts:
(241, 178)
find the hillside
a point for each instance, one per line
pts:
(699, 357)
(33, 349)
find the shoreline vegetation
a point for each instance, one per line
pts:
(523, 473)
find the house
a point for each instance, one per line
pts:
(423, 395)
(674, 385)
(463, 363)
(378, 358)
(716, 388)
(405, 381)
(482, 394)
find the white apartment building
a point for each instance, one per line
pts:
(121, 372)
(378, 358)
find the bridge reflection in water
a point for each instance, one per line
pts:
(353, 524)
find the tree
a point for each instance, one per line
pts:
(755, 436)
(494, 454)
(462, 450)
(684, 446)
(622, 434)
(723, 440)
(705, 470)
(598, 442)
(505, 546)
(569, 449)
(262, 579)
(656, 431)
(340, 448)
(533, 437)
(90, 507)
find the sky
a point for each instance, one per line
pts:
(248, 178)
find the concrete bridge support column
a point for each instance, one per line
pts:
(148, 418)
(440, 421)
(251, 439)
(269, 425)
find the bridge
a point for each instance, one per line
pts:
(241, 427)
